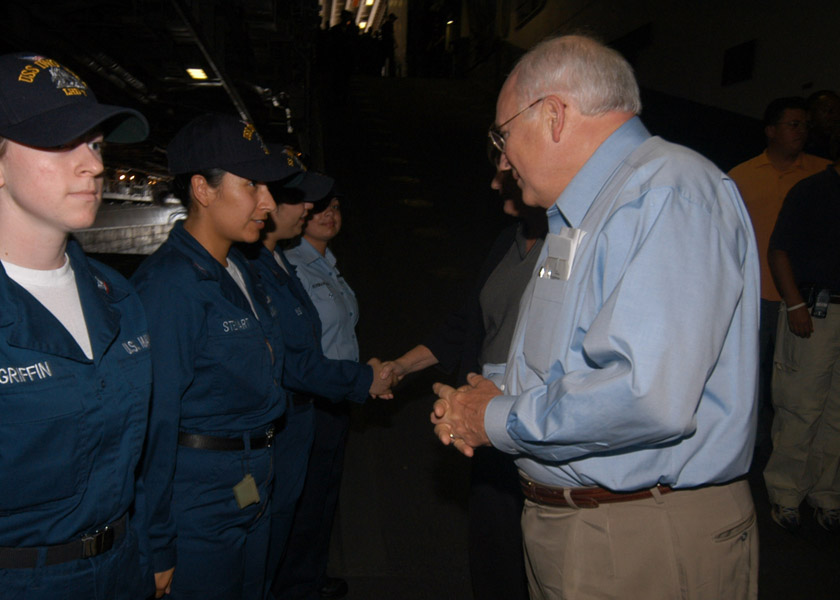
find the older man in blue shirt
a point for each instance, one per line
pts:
(629, 392)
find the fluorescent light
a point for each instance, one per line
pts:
(197, 73)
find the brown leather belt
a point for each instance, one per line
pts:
(582, 497)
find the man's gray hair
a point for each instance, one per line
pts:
(597, 79)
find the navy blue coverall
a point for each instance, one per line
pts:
(71, 435)
(216, 373)
(306, 373)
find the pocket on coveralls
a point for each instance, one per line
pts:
(40, 444)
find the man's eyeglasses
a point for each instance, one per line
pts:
(495, 133)
(806, 125)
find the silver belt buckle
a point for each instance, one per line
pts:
(94, 544)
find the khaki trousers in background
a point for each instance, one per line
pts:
(699, 544)
(806, 426)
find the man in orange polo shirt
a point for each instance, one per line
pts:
(764, 181)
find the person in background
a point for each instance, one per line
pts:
(389, 45)
(824, 134)
(628, 395)
(216, 400)
(302, 573)
(475, 338)
(307, 372)
(75, 364)
(804, 259)
(764, 181)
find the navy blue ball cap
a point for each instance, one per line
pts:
(306, 186)
(218, 141)
(314, 186)
(46, 105)
(322, 204)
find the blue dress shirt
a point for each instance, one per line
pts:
(335, 301)
(641, 367)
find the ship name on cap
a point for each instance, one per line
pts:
(249, 132)
(63, 78)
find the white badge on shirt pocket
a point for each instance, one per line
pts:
(561, 253)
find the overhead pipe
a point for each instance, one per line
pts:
(234, 96)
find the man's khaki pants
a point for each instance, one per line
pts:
(692, 545)
(806, 427)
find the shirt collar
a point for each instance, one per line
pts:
(762, 160)
(31, 326)
(310, 255)
(574, 202)
(521, 241)
(797, 164)
(206, 267)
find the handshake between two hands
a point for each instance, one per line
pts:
(457, 414)
(386, 375)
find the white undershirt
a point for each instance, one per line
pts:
(237, 277)
(279, 261)
(56, 290)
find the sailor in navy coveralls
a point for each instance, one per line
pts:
(75, 366)
(216, 401)
(307, 372)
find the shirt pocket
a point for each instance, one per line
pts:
(544, 325)
(322, 293)
(42, 450)
(241, 364)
